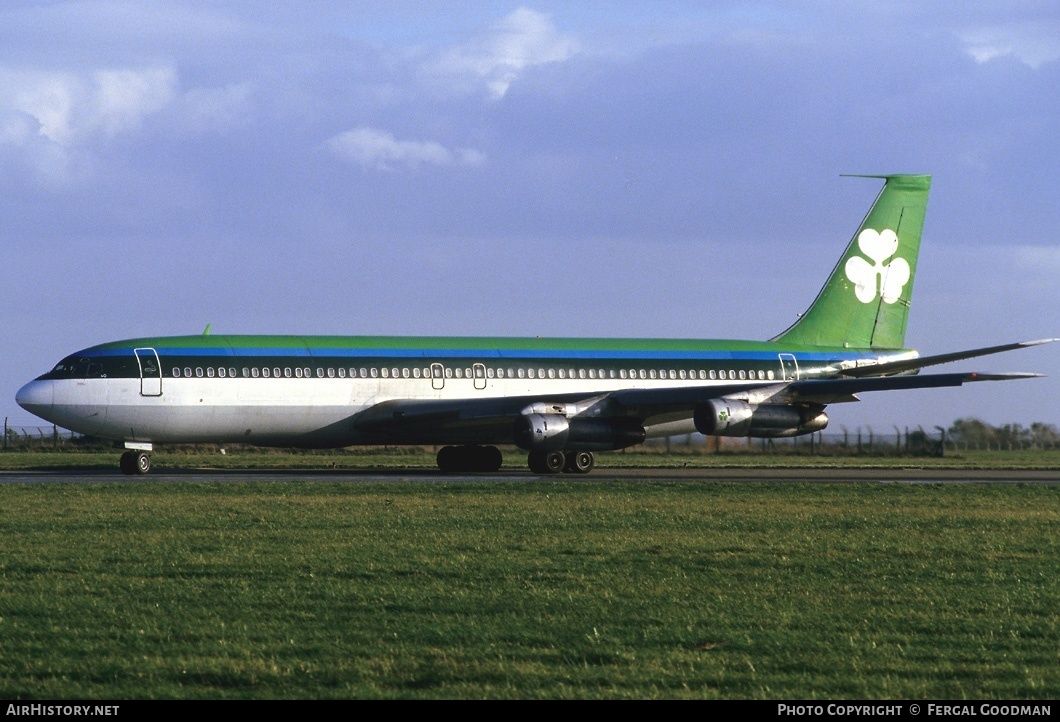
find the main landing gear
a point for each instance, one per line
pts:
(554, 462)
(135, 463)
(469, 458)
(489, 459)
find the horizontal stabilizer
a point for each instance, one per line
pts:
(894, 367)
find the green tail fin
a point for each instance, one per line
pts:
(865, 303)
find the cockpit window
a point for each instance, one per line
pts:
(65, 369)
(87, 368)
(77, 367)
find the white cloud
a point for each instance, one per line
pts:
(379, 149)
(1030, 43)
(121, 99)
(53, 121)
(17, 128)
(23, 146)
(523, 39)
(69, 106)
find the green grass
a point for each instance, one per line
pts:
(546, 589)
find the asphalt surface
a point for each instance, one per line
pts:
(909, 476)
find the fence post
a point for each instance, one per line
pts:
(5, 433)
(942, 441)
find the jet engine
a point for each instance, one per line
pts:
(554, 432)
(721, 417)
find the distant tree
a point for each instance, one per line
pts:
(1044, 435)
(973, 432)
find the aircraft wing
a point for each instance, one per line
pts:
(467, 420)
(831, 391)
(493, 416)
(490, 420)
(906, 365)
(818, 391)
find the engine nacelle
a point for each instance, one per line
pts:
(554, 432)
(721, 417)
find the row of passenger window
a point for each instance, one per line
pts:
(478, 371)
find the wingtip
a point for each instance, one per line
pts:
(976, 376)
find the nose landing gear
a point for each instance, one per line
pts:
(135, 463)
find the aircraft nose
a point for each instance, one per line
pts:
(36, 396)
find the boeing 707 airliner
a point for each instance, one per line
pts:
(558, 399)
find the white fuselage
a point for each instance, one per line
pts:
(270, 411)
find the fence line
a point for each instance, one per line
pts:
(914, 442)
(21, 436)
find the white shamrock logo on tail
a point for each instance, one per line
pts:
(879, 246)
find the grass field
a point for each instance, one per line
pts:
(545, 589)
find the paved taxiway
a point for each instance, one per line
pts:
(908, 476)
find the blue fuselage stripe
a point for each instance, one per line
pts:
(467, 353)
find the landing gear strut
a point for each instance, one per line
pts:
(135, 463)
(470, 458)
(553, 462)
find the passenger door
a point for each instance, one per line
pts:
(150, 372)
(789, 367)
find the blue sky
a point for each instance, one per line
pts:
(662, 169)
